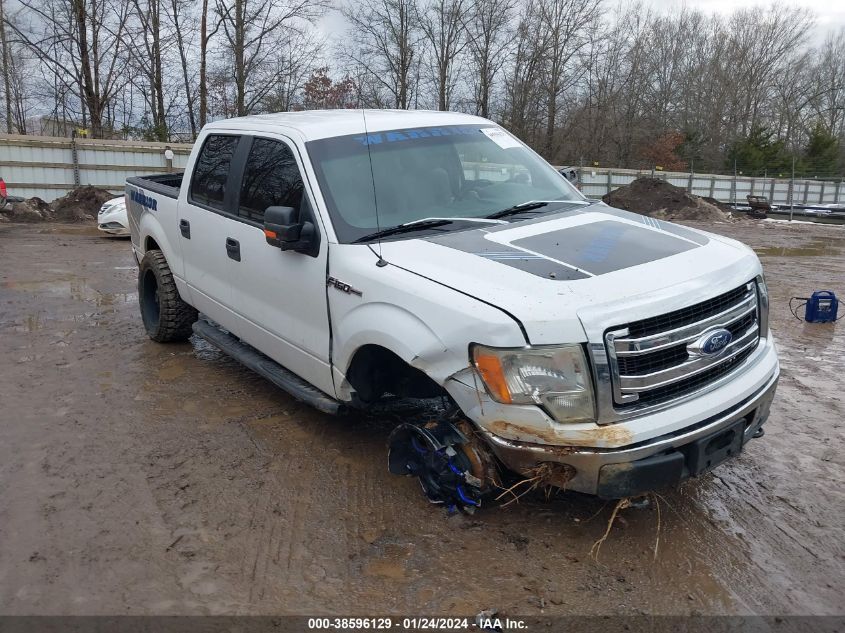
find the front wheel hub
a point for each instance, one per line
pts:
(437, 455)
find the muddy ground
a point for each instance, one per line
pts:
(139, 478)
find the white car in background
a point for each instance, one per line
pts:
(112, 217)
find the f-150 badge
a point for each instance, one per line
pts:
(343, 286)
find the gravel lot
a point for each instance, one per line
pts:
(139, 478)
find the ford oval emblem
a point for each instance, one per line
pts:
(711, 342)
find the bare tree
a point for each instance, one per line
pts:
(489, 36)
(205, 37)
(178, 14)
(522, 81)
(826, 90)
(564, 27)
(388, 34)
(146, 51)
(443, 23)
(295, 60)
(7, 70)
(573, 79)
(84, 41)
(759, 41)
(253, 29)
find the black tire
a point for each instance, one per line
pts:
(166, 317)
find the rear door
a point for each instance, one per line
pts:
(206, 212)
(281, 295)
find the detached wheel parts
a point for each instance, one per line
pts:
(437, 454)
(166, 317)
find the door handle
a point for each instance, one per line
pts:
(233, 249)
(185, 228)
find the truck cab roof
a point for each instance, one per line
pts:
(319, 124)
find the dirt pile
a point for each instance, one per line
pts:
(31, 210)
(723, 206)
(659, 199)
(80, 204)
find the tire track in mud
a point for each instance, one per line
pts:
(192, 477)
(273, 540)
(261, 511)
(298, 503)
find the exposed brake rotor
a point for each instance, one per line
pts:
(446, 462)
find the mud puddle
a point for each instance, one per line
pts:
(167, 479)
(86, 230)
(831, 247)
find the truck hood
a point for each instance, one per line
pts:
(568, 276)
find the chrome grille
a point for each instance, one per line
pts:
(649, 359)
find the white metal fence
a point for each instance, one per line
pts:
(596, 182)
(49, 167)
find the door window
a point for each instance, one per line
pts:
(208, 184)
(271, 179)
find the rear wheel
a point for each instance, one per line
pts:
(166, 317)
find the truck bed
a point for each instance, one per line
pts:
(163, 184)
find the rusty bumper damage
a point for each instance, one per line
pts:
(650, 465)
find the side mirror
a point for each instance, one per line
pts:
(281, 225)
(284, 229)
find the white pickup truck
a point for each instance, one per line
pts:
(356, 256)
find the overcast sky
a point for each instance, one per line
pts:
(830, 14)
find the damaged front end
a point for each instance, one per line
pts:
(626, 458)
(629, 467)
(454, 466)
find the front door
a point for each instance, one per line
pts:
(280, 295)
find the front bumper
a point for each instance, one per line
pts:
(644, 466)
(113, 228)
(113, 222)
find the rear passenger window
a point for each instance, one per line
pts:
(271, 179)
(208, 183)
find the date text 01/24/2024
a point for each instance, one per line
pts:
(481, 623)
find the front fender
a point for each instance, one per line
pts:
(408, 337)
(425, 323)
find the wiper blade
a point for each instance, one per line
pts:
(403, 228)
(518, 208)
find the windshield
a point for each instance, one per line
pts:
(462, 171)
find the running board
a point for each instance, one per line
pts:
(267, 367)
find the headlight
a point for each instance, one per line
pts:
(556, 378)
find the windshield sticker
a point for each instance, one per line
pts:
(378, 138)
(500, 137)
